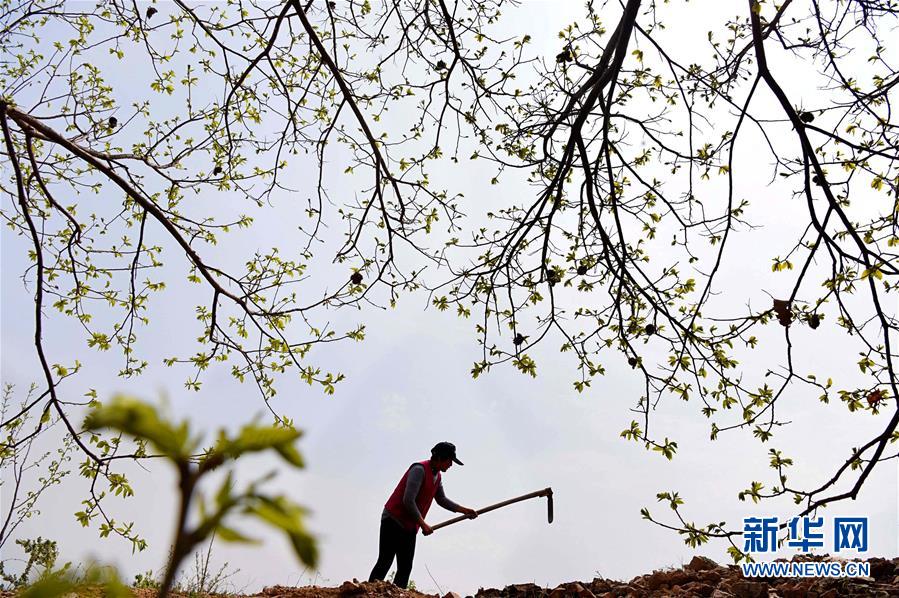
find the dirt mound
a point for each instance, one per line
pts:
(702, 577)
(705, 578)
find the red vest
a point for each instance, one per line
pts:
(426, 494)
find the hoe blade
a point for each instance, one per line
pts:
(549, 505)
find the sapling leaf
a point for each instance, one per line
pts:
(142, 421)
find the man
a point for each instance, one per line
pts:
(405, 510)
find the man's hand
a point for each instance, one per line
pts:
(426, 529)
(470, 512)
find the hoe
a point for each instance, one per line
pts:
(547, 492)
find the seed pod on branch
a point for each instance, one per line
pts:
(784, 314)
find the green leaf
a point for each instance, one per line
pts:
(281, 513)
(141, 420)
(254, 438)
(229, 535)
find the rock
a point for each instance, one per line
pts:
(657, 579)
(350, 588)
(570, 590)
(712, 577)
(749, 589)
(788, 590)
(582, 592)
(721, 594)
(558, 592)
(523, 590)
(881, 569)
(695, 588)
(600, 586)
(451, 595)
(701, 563)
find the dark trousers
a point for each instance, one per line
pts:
(394, 541)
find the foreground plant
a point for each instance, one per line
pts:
(178, 446)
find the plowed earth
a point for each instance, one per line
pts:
(702, 577)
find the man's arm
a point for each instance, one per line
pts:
(413, 486)
(444, 502)
(449, 505)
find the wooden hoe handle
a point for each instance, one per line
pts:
(547, 492)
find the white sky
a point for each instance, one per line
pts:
(408, 386)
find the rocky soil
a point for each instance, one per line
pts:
(702, 577)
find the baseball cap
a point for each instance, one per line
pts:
(445, 450)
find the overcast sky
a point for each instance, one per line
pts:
(408, 386)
